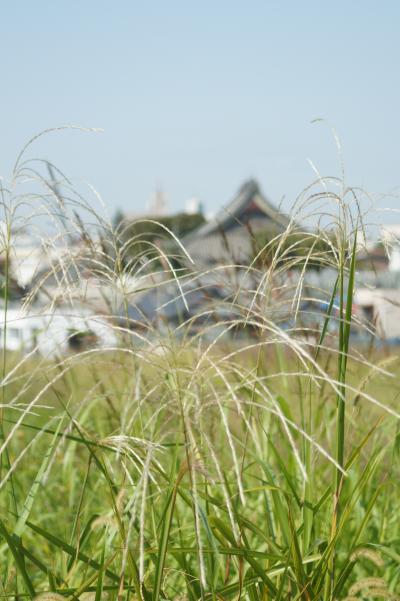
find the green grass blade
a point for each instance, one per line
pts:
(28, 504)
(100, 575)
(165, 528)
(13, 544)
(70, 550)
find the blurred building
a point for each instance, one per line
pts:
(381, 308)
(391, 239)
(193, 206)
(229, 236)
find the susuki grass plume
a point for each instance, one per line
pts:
(248, 451)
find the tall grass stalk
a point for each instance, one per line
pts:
(248, 450)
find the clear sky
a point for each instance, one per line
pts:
(198, 96)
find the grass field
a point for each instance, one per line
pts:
(187, 468)
(163, 480)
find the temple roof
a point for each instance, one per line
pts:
(248, 201)
(228, 235)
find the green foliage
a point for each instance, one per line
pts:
(296, 248)
(192, 527)
(145, 234)
(10, 290)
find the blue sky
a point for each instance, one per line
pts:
(198, 96)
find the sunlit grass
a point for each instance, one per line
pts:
(181, 465)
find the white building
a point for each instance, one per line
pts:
(391, 239)
(381, 307)
(61, 331)
(193, 206)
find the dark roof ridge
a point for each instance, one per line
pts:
(248, 192)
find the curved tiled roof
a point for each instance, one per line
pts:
(227, 235)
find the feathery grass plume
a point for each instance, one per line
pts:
(234, 426)
(369, 554)
(367, 583)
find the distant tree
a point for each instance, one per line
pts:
(117, 218)
(142, 237)
(9, 287)
(297, 248)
